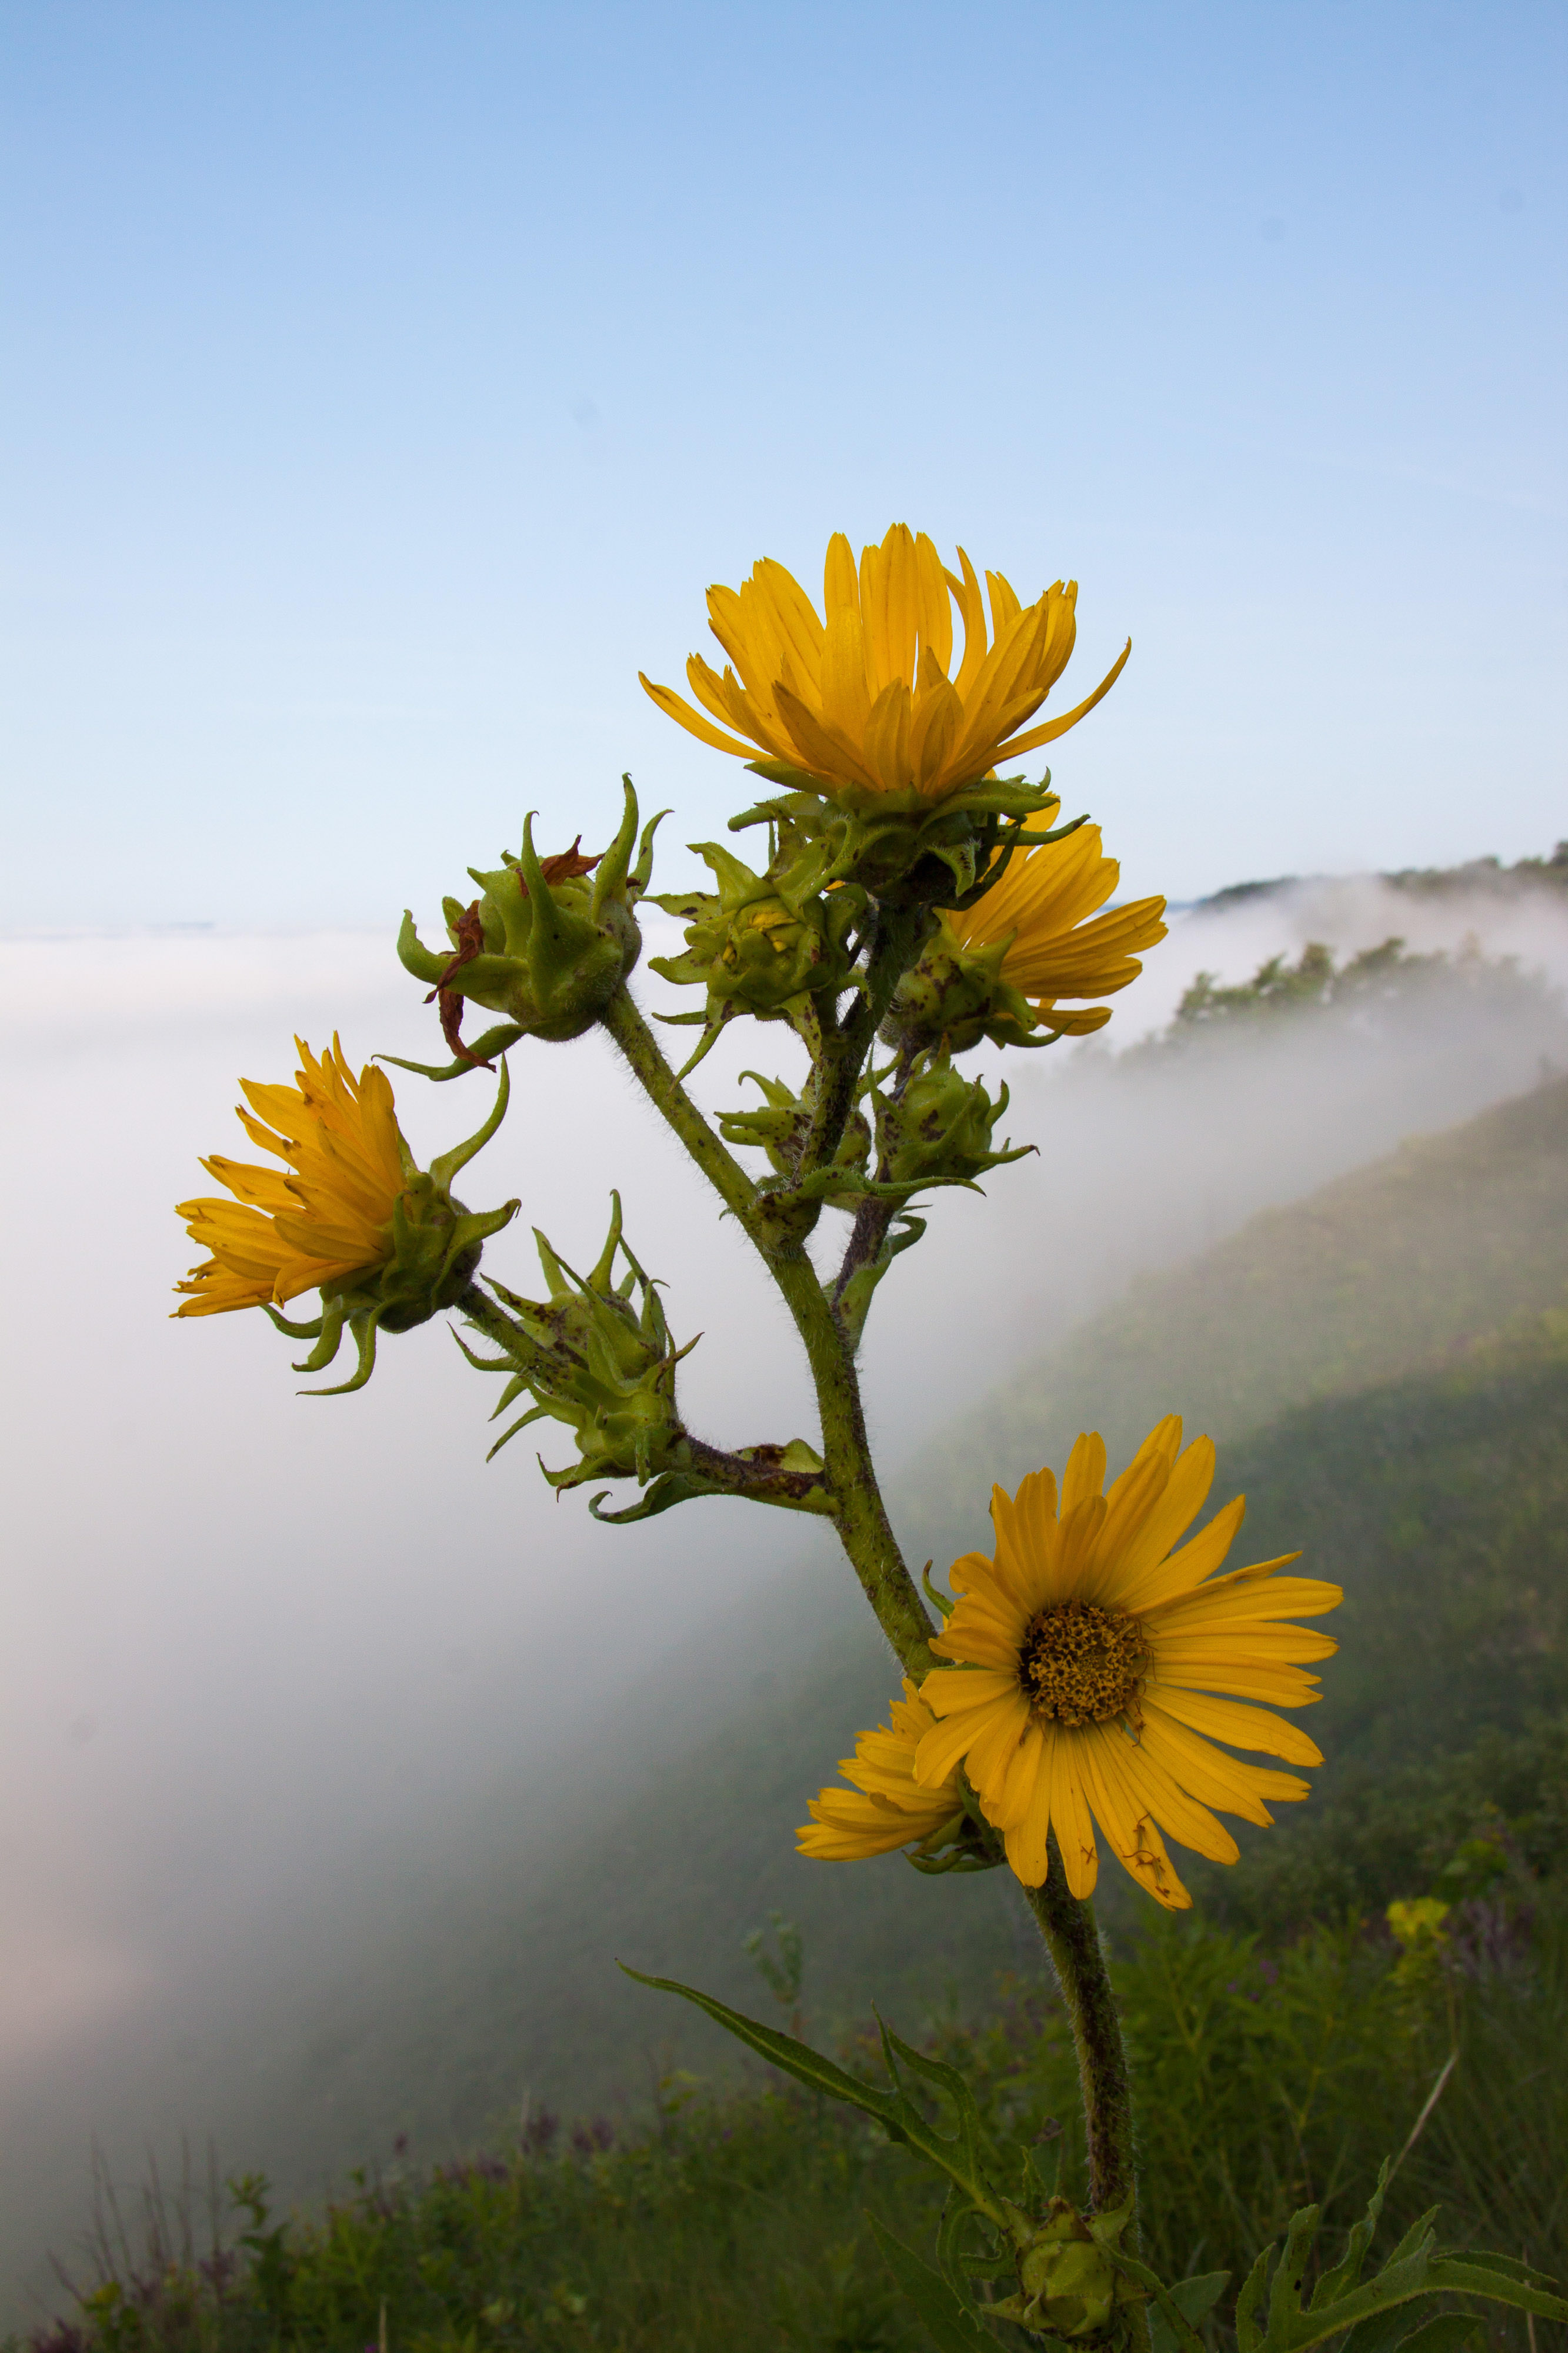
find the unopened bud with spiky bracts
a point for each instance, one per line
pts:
(762, 943)
(382, 1240)
(546, 945)
(782, 1123)
(597, 1355)
(938, 1131)
(1069, 2285)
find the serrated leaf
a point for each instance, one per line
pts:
(951, 2326)
(899, 2114)
(948, 2080)
(1346, 2273)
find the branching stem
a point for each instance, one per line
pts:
(855, 1499)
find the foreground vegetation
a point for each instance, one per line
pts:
(1285, 2043)
(1270, 2074)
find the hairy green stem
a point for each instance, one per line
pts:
(1072, 1939)
(859, 1512)
(845, 1046)
(642, 1051)
(1066, 1924)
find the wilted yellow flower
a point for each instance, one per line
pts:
(1090, 1657)
(887, 1807)
(862, 705)
(330, 1218)
(1045, 900)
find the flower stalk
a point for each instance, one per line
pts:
(1092, 1680)
(853, 1499)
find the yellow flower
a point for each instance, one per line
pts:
(863, 706)
(1091, 1654)
(330, 1218)
(1418, 1921)
(886, 1808)
(1044, 900)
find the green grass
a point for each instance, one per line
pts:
(1266, 2080)
(1442, 1503)
(1347, 1354)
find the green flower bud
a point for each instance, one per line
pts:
(761, 943)
(547, 944)
(781, 1125)
(597, 1355)
(954, 997)
(937, 1132)
(1067, 2285)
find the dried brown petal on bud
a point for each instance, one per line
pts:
(470, 944)
(567, 865)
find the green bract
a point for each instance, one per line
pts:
(548, 953)
(782, 1126)
(938, 1131)
(903, 849)
(597, 1355)
(435, 1252)
(953, 997)
(762, 943)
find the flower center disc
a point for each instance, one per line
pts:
(1081, 1664)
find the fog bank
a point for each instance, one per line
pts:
(263, 1654)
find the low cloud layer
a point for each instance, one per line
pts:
(257, 1647)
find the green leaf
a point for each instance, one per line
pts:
(1478, 2275)
(947, 2079)
(1193, 2299)
(1376, 2314)
(1346, 2273)
(951, 2326)
(797, 2058)
(956, 2154)
(1171, 2327)
(1446, 2332)
(1381, 2334)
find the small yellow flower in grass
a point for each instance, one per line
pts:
(1091, 1659)
(1418, 1920)
(886, 1807)
(329, 1218)
(861, 705)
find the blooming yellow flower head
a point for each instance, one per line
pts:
(329, 1218)
(886, 1807)
(1000, 968)
(1090, 1659)
(1044, 901)
(865, 702)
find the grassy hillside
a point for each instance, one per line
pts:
(1439, 1500)
(1384, 1274)
(1344, 1352)
(1267, 2072)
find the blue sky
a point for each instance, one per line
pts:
(385, 384)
